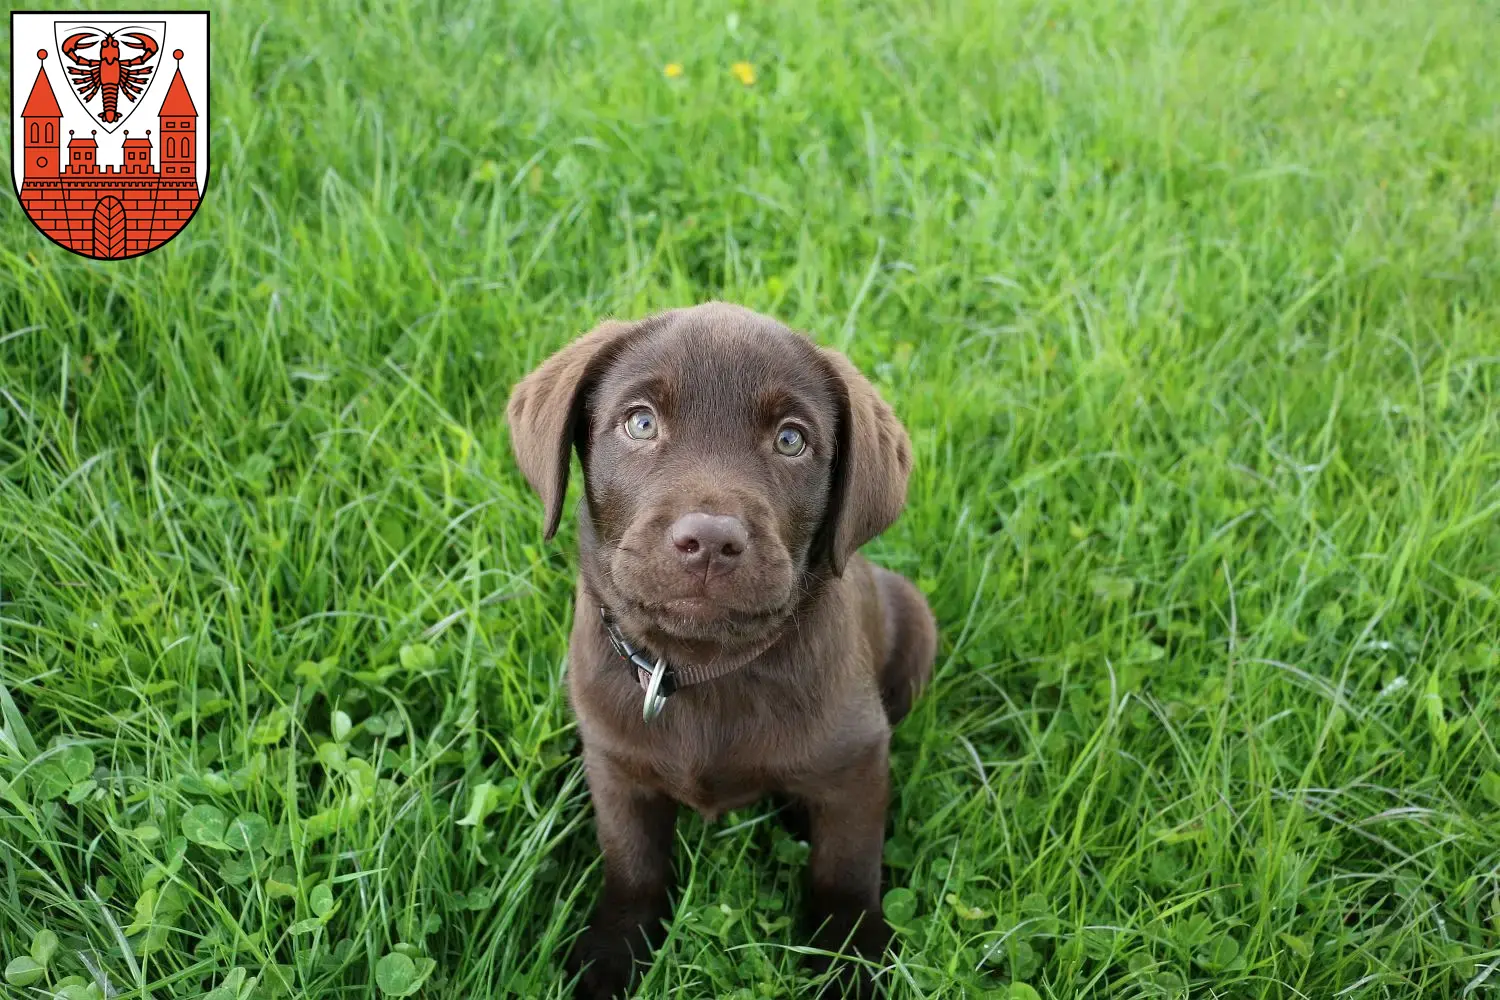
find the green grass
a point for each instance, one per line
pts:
(1193, 312)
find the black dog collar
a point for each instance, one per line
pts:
(657, 679)
(660, 679)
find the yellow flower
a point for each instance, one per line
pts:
(743, 72)
(672, 70)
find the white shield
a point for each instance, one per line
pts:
(110, 126)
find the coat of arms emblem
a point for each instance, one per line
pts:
(109, 126)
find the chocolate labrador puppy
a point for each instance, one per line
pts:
(728, 641)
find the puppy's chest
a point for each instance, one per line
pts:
(713, 762)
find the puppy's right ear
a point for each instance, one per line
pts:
(546, 406)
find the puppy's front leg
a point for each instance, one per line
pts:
(635, 836)
(847, 823)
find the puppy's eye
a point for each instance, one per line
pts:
(790, 442)
(640, 423)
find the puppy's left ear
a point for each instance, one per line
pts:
(546, 406)
(870, 469)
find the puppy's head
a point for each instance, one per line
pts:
(726, 458)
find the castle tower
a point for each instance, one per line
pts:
(138, 154)
(179, 130)
(81, 154)
(41, 123)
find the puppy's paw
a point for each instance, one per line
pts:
(874, 937)
(849, 980)
(604, 965)
(869, 941)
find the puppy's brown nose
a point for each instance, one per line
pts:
(708, 539)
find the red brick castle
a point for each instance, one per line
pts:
(109, 212)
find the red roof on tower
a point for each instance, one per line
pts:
(177, 102)
(42, 103)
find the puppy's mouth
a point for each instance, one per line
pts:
(700, 618)
(713, 611)
(694, 608)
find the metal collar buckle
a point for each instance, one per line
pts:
(655, 699)
(661, 680)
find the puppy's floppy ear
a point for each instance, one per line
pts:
(546, 406)
(870, 468)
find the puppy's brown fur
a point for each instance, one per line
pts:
(826, 650)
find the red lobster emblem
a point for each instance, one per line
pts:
(109, 74)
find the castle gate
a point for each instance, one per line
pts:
(109, 228)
